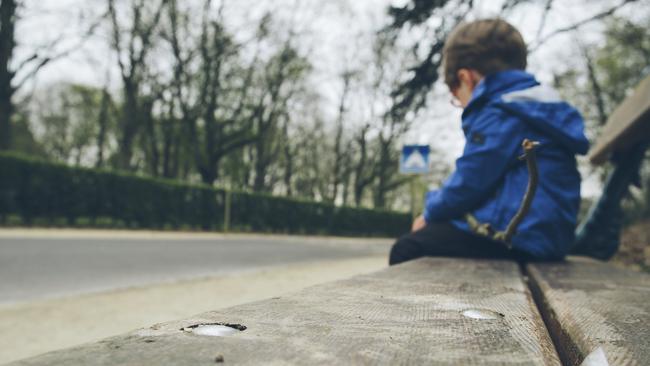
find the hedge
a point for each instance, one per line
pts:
(35, 189)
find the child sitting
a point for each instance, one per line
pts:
(484, 66)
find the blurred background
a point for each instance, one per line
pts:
(277, 116)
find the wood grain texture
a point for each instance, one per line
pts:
(409, 314)
(589, 304)
(626, 126)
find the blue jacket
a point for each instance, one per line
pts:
(490, 181)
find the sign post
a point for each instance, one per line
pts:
(414, 161)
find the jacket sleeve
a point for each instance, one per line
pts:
(493, 143)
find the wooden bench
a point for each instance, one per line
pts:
(430, 311)
(433, 311)
(588, 305)
(627, 127)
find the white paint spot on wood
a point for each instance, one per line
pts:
(596, 358)
(214, 330)
(481, 314)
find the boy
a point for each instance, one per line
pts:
(483, 65)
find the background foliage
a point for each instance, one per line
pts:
(49, 192)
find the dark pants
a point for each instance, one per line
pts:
(442, 239)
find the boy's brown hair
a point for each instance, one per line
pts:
(487, 46)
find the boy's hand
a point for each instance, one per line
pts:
(419, 223)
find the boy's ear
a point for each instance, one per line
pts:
(469, 76)
(464, 76)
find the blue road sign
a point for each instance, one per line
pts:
(414, 160)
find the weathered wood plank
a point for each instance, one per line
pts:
(627, 125)
(589, 304)
(410, 314)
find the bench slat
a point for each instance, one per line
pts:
(589, 304)
(627, 125)
(407, 314)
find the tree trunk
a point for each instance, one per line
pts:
(152, 138)
(141, 33)
(596, 89)
(6, 111)
(346, 183)
(361, 178)
(288, 160)
(338, 153)
(208, 173)
(178, 146)
(259, 183)
(382, 174)
(102, 120)
(7, 44)
(129, 126)
(167, 147)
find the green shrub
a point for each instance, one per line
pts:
(38, 190)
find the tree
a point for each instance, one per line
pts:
(393, 125)
(605, 74)
(624, 60)
(213, 86)
(14, 74)
(341, 167)
(132, 52)
(9, 67)
(310, 168)
(22, 138)
(279, 84)
(376, 141)
(107, 109)
(303, 147)
(411, 94)
(69, 116)
(364, 172)
(7, 45)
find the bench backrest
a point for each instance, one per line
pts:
(628, 125)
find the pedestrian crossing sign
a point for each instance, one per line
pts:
(414, 160)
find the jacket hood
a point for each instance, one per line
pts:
(521, 94)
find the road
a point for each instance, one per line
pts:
(45, 266)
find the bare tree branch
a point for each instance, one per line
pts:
(542, 22)
(41, 61)
(117, 39)
(26, 61)
(579, 24)
(596, 88)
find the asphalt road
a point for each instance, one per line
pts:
(44, 267)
